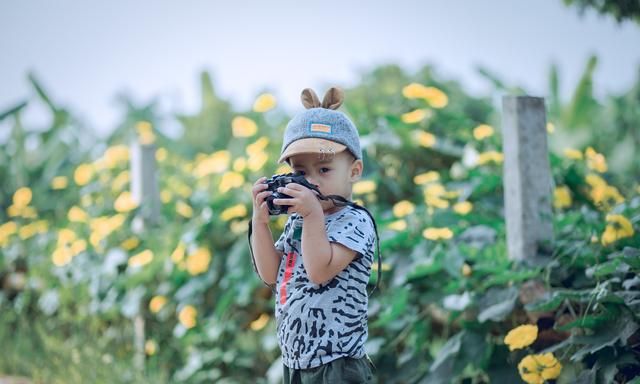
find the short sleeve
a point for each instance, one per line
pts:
(279, 244)
(353, 229)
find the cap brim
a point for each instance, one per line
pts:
(311, 145)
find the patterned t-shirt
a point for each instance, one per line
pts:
(315, 323)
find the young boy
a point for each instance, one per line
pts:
(321, 263)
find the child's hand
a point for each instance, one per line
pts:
(260, 209)
(303, 200)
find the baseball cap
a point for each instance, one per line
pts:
(320, 128)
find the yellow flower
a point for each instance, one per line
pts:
(257, 146)
(385, 267)
(403, 208)
(424, 139)
(217, 162)
(184, 209)
(463, 207)
(26, 212)
(264, 103)
(156, 303)
(434, 233)
(364, 186)
(130, 243)
(239, 164)
(595, 160)
(166, 196)
(488, 156)
(257, 161)
(141, 259)
(238, 210)
(260, 322)
(414, 91)
(562, 197)
(6, 230)
(83, 174)
(187, 316)
(150, 347)
(198, 262)
(602, 193)
(145, 133)
(243, 127)
(161, 154)
(482, 131)
(120, 181)
(433, 196)
(466, 270)
(125, 203)
(594, 180)
(178, 253)
(536, 369)
(27, 231)
(551, 128)
(426, 177)
(77, 214)
(22, 197)
(61, 256)
(435, 97)
(398, 225)
(230, 180)
(415, 116)
(521, 336)
(618, 227)
(115, 155)
(572, 154)
(59, 182)
(436, 202)
(65, 236)
(78, 246)
(284, 168)
(239, 227)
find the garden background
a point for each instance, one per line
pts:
(88, 294)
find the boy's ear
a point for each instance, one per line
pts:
(356, 170)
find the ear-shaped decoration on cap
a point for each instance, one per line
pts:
(309, 99)
(333, 98)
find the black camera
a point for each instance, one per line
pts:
(278, 181)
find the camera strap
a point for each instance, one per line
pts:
(339, 201)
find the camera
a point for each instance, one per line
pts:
(278, 181)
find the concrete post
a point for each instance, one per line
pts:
(527, 178)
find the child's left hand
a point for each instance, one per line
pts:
(303, 200)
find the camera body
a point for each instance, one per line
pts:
(278, 181)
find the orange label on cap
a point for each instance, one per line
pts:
(320, 128)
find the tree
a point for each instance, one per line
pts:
(622, 10)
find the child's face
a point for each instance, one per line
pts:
(333, 176)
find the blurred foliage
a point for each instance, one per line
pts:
(80, 279)
(621, 10)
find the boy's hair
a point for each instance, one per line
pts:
(320, 128)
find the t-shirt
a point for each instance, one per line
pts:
(315, 323)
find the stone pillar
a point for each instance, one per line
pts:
(527, 178)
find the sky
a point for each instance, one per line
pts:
(85, 53)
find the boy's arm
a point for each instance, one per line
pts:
(267, 257)
(323, 260)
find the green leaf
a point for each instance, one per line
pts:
(398, 306)
(553, 300)
(589, 321)
(497, 304)
(423, 270)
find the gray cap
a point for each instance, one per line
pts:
(320, 129)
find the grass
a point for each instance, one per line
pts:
(48, 352)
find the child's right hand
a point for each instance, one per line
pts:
(260, 208)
